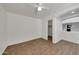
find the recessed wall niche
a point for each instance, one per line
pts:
(70, 27)
(72, 24)
(67, 27)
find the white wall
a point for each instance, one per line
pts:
(45, 28)
(72, 36)
(3, 30)
(22, 28)
(57, 29)
(75, 27)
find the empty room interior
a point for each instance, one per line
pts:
(39, 28)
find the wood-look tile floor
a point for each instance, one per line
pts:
(43, 47)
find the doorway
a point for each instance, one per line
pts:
(50, 30)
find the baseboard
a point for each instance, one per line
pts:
(1, 52)
(25, 40)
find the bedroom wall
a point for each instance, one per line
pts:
(3, 30)
(72, 36)
(57, 29)
(45, 28)
(22, 28)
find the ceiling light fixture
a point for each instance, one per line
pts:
(73, 12)
(39, 8)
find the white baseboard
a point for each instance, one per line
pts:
(2, 50)
(22, 40)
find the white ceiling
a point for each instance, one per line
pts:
(28, 9)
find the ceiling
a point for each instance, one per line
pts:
(28, 9)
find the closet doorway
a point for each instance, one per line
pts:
(50, 30)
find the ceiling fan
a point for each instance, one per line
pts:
(39, 7)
